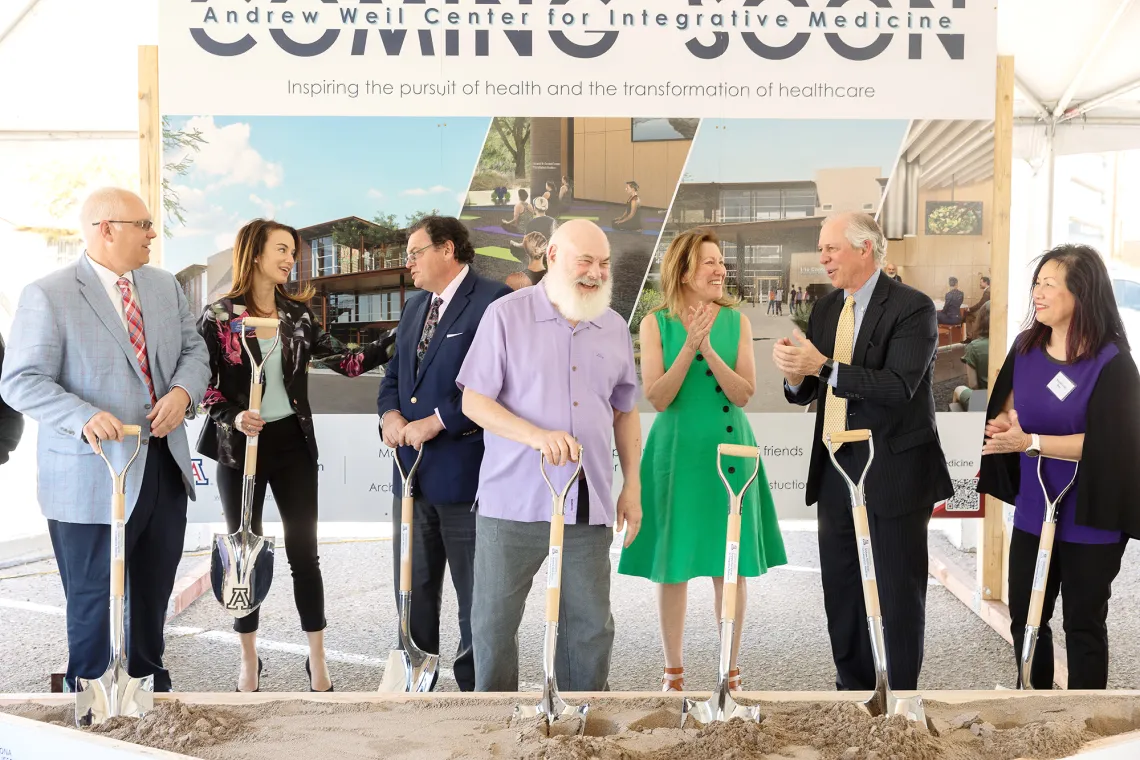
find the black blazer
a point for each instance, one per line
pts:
(449, 470)
(11, 422)
(889, 390)
(302, 339)
(1109, 480)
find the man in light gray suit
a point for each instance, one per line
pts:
(104, 342)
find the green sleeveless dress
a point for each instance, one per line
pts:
(684, 503)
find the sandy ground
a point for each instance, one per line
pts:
(644, 728)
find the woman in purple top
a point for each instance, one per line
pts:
(1068, 390)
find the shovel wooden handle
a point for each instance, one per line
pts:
(407, 505)
(118, 513)
(259, 322)
(850, 436)
(1041, 573)
(554, 568)
(251, 449)
(736, 450)
(731, 561)
(118, 516)
(866, 559)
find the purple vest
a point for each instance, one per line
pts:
(1041, 411)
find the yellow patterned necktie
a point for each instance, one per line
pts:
(835, 407)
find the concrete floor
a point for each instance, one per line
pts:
(785, 641)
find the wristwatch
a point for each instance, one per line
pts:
(826, 370)
(1034, 449)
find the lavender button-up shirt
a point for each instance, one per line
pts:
(527, 357)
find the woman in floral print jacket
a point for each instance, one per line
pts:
(264, 255)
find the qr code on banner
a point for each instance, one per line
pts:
(966, 497)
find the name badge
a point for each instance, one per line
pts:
(1061, 386)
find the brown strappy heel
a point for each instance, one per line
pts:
(673, 679)
(734, 679)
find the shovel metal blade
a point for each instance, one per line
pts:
(241, 571)
(112, 695)
(409, 673)
(720, 707)
(554, 709)
(884, 702)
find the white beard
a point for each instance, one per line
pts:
(576, 307)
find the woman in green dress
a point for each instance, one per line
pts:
(698, 370)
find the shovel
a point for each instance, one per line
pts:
(115, 693)
(1040, 577)
(409, 668)
(883, 701)
(241, 564)
(552, 706)
(721, 706)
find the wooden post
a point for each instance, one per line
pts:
(992, 545)
(150, 144)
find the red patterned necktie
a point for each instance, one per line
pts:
(135, 331)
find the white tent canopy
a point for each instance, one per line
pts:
(71, 66)
(1078, 74)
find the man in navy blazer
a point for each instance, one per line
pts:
(420, 406)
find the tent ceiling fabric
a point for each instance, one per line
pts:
(71, 65)
(1079, 51)
(1055, 43)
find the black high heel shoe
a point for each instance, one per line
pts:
(310, 675)
(259, 664)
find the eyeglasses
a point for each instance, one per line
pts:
(142, 224)
(412, 255)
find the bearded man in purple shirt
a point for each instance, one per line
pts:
(551, 369)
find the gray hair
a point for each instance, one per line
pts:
(862, 229)
(104, 203)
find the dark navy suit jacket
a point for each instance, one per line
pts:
(449, 470)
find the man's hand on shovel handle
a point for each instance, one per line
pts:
(104, 426)
(558, 446)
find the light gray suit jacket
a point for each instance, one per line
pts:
(69, 357)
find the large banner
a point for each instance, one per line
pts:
(738, 58)
(757, 119)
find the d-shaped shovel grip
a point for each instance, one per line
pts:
(407, 512)
(850, 436)
(557, 526)
(255, 381)
(119, 508)
(732, 536)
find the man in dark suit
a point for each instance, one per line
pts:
(420, 405)
(951, 313)
(868, 359)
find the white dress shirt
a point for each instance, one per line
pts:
(110, 282)
(449, 292)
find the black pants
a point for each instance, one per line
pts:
(443, 535)
(901, 566)
(154, 536)
(285, 464)
(949, 319)
(1085, 573)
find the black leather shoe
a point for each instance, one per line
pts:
(310, 675)
(259, 664)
